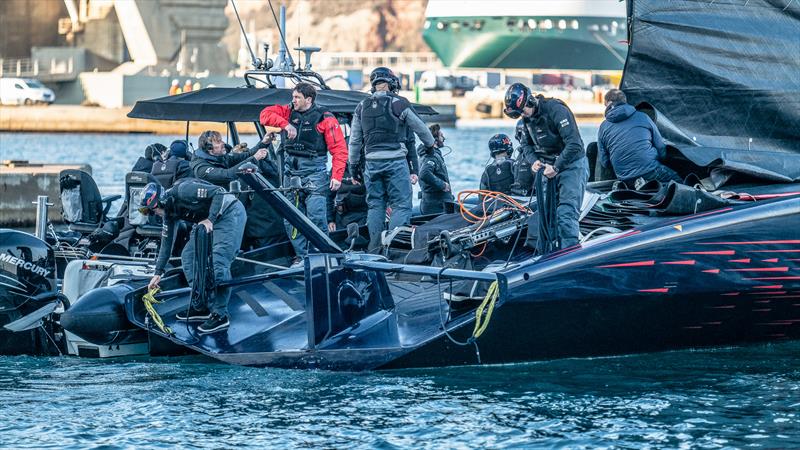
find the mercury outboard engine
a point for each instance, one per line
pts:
(28, 296)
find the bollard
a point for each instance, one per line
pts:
(41, 216)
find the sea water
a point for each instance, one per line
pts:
(714, 398)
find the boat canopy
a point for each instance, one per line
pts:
(722, 78)
(241, 104)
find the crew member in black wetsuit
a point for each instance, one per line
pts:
(434, 180)
(174, 168)
(550, 126)
(499, 175)
(220, 213)
(153, 152)
(213, 164)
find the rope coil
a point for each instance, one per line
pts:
(149, 300)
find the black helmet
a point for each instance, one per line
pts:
(518, 97)
(152, 197)
(381, 74)
(500, 143)
(155, 152)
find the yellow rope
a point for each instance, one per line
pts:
(296, 205)
(481, 321)
(149, 300)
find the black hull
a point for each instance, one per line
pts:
(723, 277)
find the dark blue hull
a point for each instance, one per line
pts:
(723, 277)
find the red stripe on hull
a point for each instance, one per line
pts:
(788, 241)
(656, 290)
(760, 269)
(712, 252)
(630, 264)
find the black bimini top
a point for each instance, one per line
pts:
(241, 104)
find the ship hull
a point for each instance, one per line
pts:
(497, 45)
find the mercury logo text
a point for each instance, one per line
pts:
(19, 262)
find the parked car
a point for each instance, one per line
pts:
(24, 91)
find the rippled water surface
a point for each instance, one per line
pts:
(723, 398)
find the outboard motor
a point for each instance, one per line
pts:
(28, 296)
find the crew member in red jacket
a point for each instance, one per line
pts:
(311, 133)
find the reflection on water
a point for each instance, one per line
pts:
(721, 398)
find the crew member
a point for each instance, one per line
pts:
(378, 123)
(410, 143)
(214, 164)
(347, 205)
(220, 213)
(311, 133)
(526, 156)
(434, 181)
(175, 167)
(499, 175)
(551, 127)
(153, 152)
(629, 143)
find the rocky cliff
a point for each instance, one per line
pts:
(334, 25)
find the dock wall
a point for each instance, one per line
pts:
(21, 184)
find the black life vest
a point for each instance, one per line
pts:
(379, 124)
(544, 132)
(500, 176)
(309, 142)
(165, 172)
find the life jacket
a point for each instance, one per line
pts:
(379, 124)
(500, 176)
(190, 200)
(309, 142)
(544, 132)
(165, 172)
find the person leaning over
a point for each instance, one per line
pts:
(434, 180)
(311, 133)
(629, 143)
(214, 164)
(550, 126)
(378, 126)
(222, 215)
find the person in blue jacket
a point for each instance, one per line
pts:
(629, 143)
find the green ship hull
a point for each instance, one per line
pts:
(589, 43)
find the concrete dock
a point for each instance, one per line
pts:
(21, 182)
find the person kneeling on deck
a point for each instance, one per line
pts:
(549, 124)
(221, 214)
(311, 133)
(379, 124)
(499, 175)
(434, 180)
(629, 142)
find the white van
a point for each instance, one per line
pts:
(24, 91)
